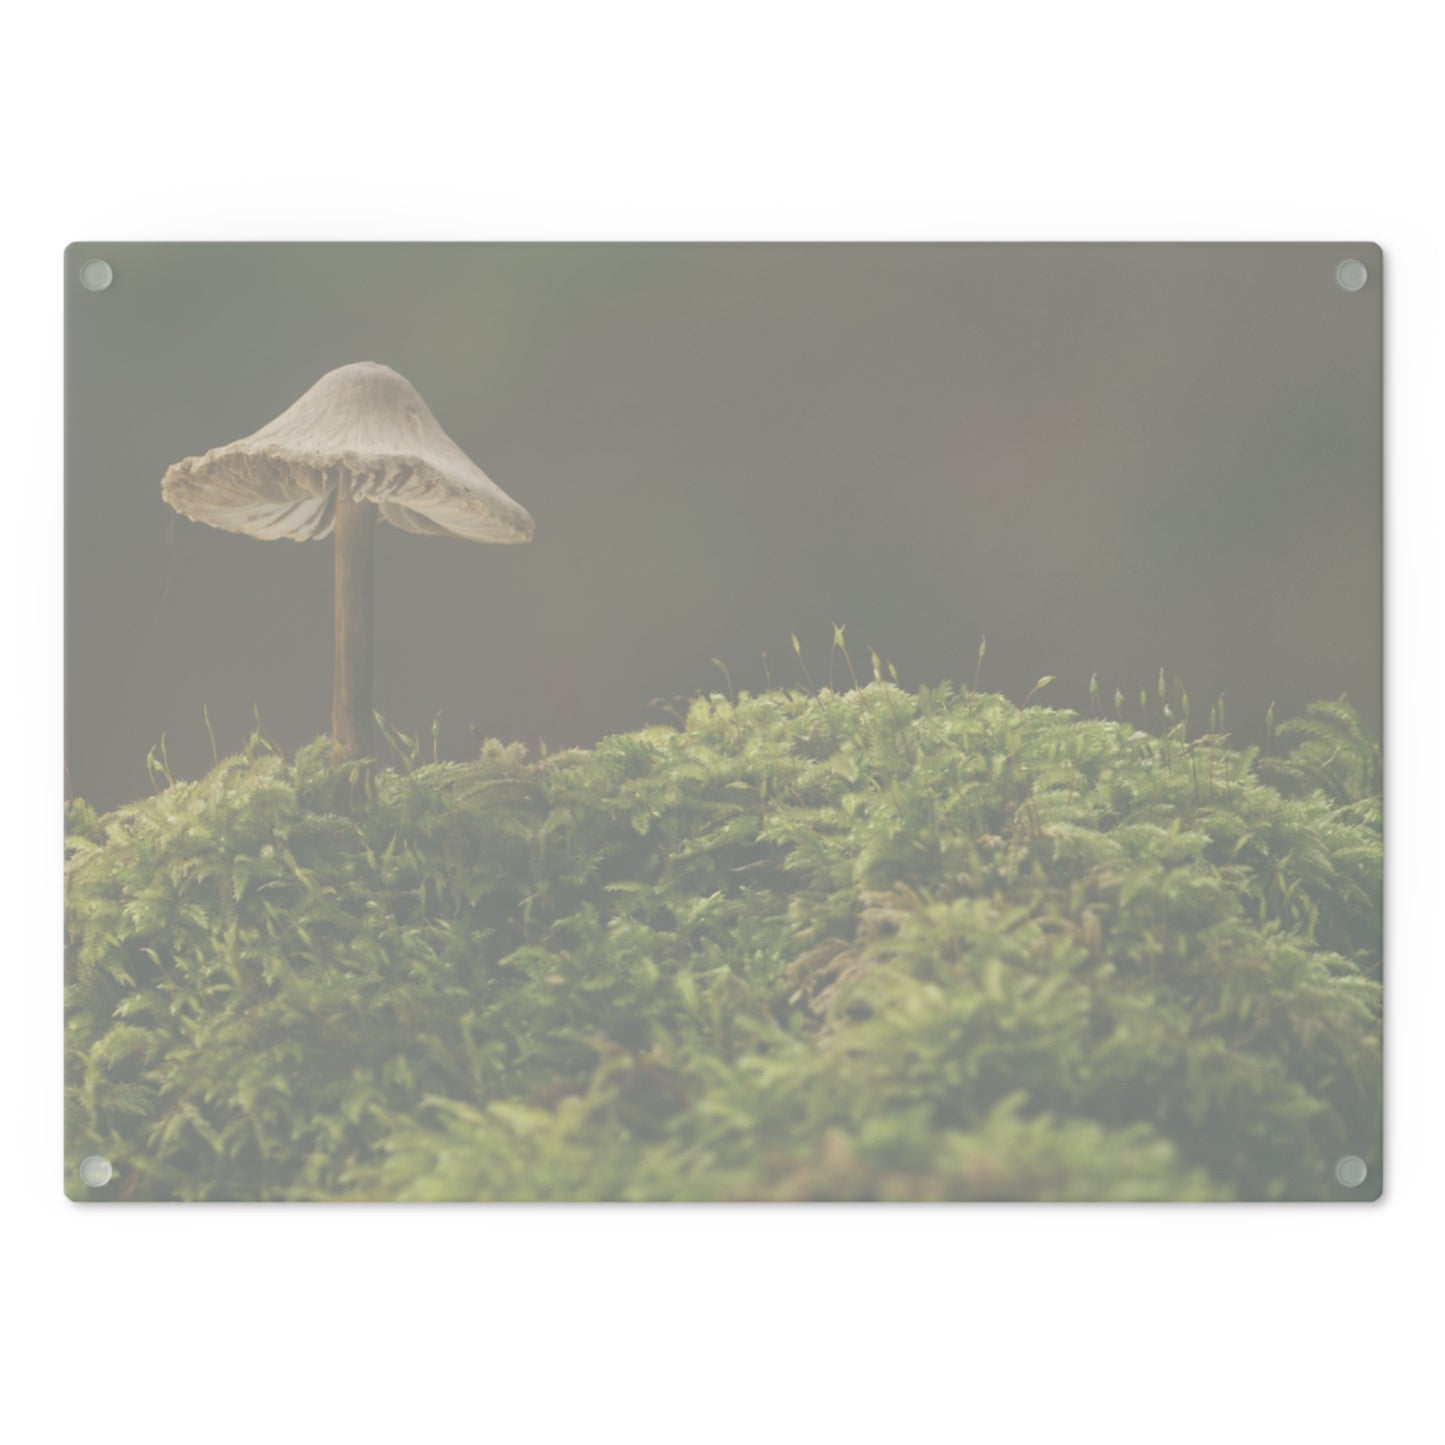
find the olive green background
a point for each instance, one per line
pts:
(1107, 458)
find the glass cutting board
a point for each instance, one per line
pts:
(723, 722)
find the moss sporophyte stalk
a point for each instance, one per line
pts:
(873, 944)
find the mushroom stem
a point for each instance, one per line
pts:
(351, 680)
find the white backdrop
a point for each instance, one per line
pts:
(1052, 121)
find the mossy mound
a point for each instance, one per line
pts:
(874, 945)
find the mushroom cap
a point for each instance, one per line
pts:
(362, 429)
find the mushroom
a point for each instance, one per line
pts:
(361, 440)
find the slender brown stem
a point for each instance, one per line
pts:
(351, 681)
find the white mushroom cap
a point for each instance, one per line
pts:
(363, 428)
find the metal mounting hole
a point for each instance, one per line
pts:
(95, 1171)
(1351, 1171)
(96, 275)
(1351, 275)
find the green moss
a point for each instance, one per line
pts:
(874, 945)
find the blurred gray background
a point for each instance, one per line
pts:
(1106, 458)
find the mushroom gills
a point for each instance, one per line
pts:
(305, 520)
(411, 521)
